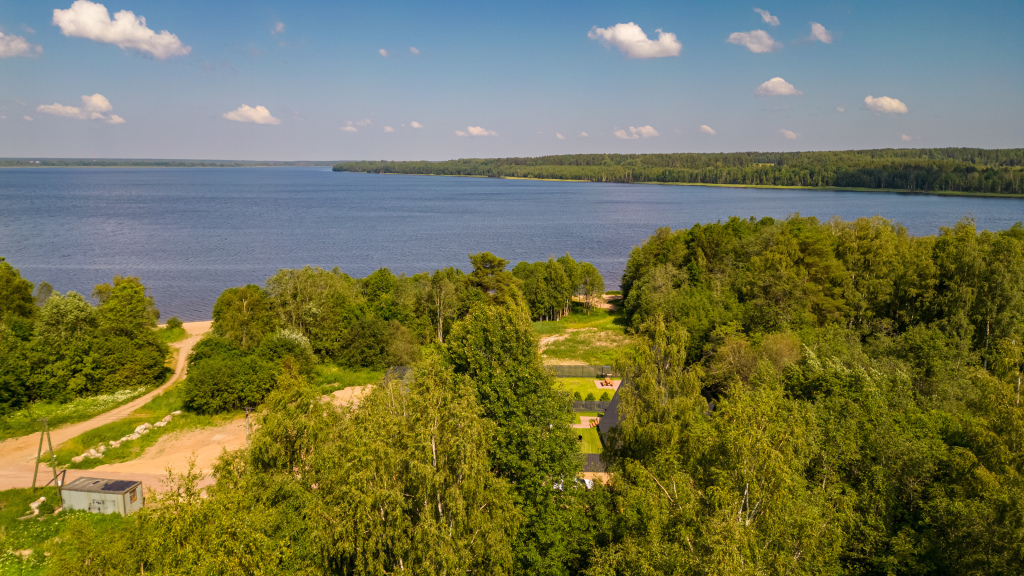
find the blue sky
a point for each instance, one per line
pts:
(503, 79)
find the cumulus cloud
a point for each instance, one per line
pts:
(383, 52)
(278, 28)
(768, 18)
(885, 105)
(789, 134)
(363, 122)
(635, 132)
(95, 107)
(246, 113)
(416, 124)
(584, 135)
(777, 87)
(840, 109)
(388, 129)
(705, 129)
(11, 45)
(349, 128)
(475, 131)
(85, 19)
(631, 39)
(559, 136)
(818, 32)
(757, 41)
(28, 118)
(906, 138)
(414, 51)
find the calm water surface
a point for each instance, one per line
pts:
(189, 233)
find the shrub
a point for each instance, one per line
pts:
(590, 397)
(604, 396)
(576, 396)
(173, 323)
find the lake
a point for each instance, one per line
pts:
(189, 233)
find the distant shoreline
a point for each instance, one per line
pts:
(760, 186)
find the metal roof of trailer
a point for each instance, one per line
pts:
(99, 485)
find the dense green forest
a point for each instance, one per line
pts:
(968, 170)
(58, 347)
(804, 397)
(314, 315)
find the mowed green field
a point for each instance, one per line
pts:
(594, 338)
(584, 386)
(591, 443)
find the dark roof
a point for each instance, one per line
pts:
(100, 485)
(611, 413)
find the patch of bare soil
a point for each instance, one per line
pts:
(350, 396)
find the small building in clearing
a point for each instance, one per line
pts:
(103, 496)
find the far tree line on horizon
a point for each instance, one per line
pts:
(970, 170)
(803, 397)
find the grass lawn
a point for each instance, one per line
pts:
(331, 377)
(150, 412)
(36, 535)
(594, 338)
(591, 440)
(582, 385)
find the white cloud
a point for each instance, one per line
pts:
(28, 118)
(789, 134)
(278, 28)
(885, 105)
(363, 122)
(840, 109)
(416, 125)
(93, 107)
(906, 138)
(584, 135)
(705, 129)
(768, 18)
(634, 133)
(777, 87)
(388, 129)
(246, 113)
(85, 19)
(475, 131)
(818, 32)
(26, 28)
(383, 52)
(349, 128)
(757, 41)
(632, 40)
(559, 136)
(11, 45)
(414, 51)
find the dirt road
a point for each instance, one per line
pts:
(17, 454)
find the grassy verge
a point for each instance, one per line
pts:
(331, 377)
(171, 335)
(150, 412)
(37, 534)
(582, 385)
(25, 421)
(591, 443)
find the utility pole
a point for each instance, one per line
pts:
(248, 426)
(45, 431)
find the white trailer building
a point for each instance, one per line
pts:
(103, 496)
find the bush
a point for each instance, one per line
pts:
(46, 508)
(173, 323)
(229, 382)
(590, 397)
(604, 396)
(576, 396)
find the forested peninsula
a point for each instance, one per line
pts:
(957, 170)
